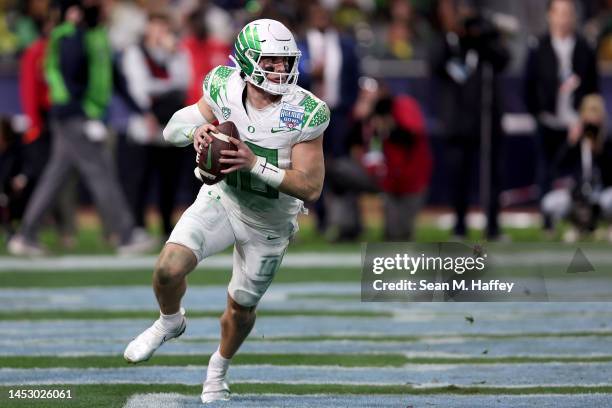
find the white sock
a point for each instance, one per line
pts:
(217, 367)
(172, 321)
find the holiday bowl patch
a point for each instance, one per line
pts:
(291, 116)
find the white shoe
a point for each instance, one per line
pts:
(215, 390)
(139, 243)
(19, 246)
(142, 347)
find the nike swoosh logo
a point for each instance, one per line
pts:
(269, 238)
(278, 130)
(166, 338)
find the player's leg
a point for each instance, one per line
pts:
(169, 284)
(173, 265)
(256, 260)
(203, 230)
(237, 322)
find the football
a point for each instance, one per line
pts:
(209, 167)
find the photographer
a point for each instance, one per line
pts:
(561, 69)
(586, 199)
(398, 125)
(466, 61)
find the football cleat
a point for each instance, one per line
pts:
(215, 390)
(142, 347)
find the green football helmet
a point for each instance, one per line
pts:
(267, 38)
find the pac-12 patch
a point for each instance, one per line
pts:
(291, 116)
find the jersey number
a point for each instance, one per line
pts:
(251, 184)
(269, 266)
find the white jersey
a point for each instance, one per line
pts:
(298, 117)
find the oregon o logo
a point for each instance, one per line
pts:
(251, 129)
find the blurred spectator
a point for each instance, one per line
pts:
(356, 174)
(79, 73)
(126, 22)
(588, 197)
(561, 69)
(36, 146)
(330, 69)
(157, 75)
(9, 42)
(287, 12)
(366, 6)
(399, 43)
(33, 88)
(399, 126)
(598, 31)
(29, 25)
(466, 60)
(406, 34)
(206, 52)
(350, 13)
(11, 162)
(221, 25)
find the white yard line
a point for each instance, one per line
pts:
(561, 257)
(112, 262)
(417, 375)
(174, 400)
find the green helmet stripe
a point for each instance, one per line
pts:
(255, 35)
(242, 41)
(249, 37)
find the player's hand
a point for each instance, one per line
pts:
(201, 138)
(243, 158)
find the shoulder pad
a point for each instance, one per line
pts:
(313, 105)
(321, 116)
(216, 80)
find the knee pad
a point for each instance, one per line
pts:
(243, 297)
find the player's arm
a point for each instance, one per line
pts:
(190, 125)
(305, 178)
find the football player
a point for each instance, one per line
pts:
(278, 164)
